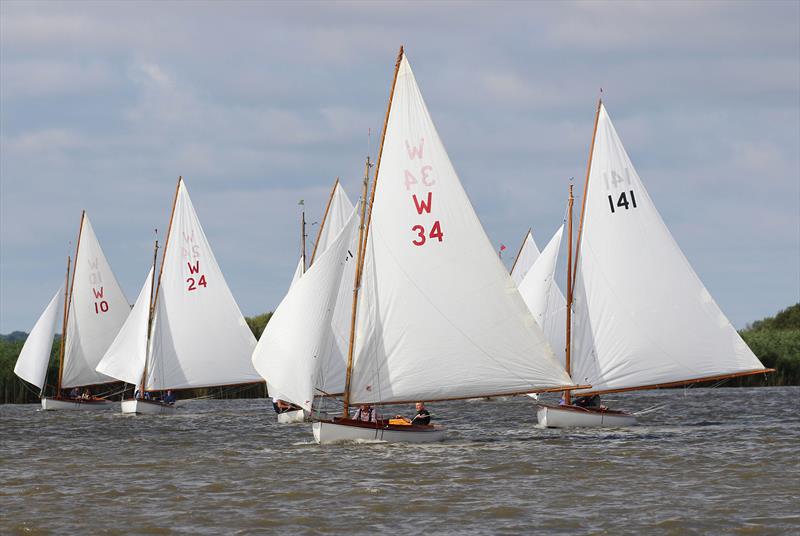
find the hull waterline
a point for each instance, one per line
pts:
(50, 404)
(577, 417)
(147, 407)
(339, 431)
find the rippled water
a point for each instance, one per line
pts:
(712, 461)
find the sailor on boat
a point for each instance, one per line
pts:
(365, 413)
(589, 402)
(282, 406)
(169, 398)
(422, 417)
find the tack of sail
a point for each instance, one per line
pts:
(642, 316)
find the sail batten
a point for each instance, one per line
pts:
(642, 317)
(438, 316)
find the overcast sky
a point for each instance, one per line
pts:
(259, 105)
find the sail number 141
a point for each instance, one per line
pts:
(622, 201)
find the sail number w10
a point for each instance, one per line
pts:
(622, 201)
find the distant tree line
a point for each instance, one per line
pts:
(775, 340)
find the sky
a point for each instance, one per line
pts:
(261, 104)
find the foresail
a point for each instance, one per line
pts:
(291, 351)
(339, 212)
(97, 310)
(35, 355)
(642, 316)
(439, 317)
(544, 298)
(528, 254)
(298, 272)
(200, 337)
(125, 358)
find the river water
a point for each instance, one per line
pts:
(709, 462)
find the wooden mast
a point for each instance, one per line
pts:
(356, 286)
(324, 219)
(364, 230)
(150, 312)
(161, 269)
(303, 234)
(586, 186)
(570, 282)
(521, 247)
(63, 332)
(67, 304)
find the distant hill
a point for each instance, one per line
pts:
(14, 336)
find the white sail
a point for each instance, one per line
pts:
(641, 315)
(97, 310)
(339, 212)
(125, 358)
(289, 353)
(200, 337)
(528, 254)
(35, 355)
(298, 272)
(439, 317)
(544, 299)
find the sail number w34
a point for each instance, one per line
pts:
(626, 200)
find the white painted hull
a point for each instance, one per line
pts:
(300, 416)
(292, 417)
(574, 417)
(147, 407)
(326, 432)
(49, 404)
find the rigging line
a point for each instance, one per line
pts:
(467, 337)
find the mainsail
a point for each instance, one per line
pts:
(200, 337)
(438, 315)
(126, 356)
(295, 344)
(35, 355)
(544, 299)
(97, 309)
(642, 317)
(338, 213)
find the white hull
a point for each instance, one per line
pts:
(147, 407)
(326, 432)
(292, 417)
(574, 417)
(300, 416)
(49, 404)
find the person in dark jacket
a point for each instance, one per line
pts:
(423, 416)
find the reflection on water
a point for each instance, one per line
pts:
(710, 461)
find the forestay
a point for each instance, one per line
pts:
(200, 337)
(528, 254)
(125, 358)
(35, 355)
(544, 299)
(97, 310)
(641, 314)
(291, 351)
(438, 315)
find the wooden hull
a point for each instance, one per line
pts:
(49, 404)
(147, 407)
(577, 417)
(346, 430)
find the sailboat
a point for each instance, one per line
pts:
(435, 314)
(534, 272)
(638, 316)
(197, 334)
(94, 309)
(337, 214)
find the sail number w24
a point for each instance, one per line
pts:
(624, 201)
